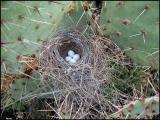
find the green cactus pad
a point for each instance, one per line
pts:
(139, 109)
(24, 25)
(134, 26)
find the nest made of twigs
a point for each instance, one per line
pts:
(81, 82)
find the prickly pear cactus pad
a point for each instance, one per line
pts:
(79, 59)
(139, 109)
(24, 26)
(135, 27)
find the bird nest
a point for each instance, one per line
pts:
(80, 82)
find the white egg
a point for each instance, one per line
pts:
(68, 58)
(71, 53)
(76, 57)
(72, 61)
